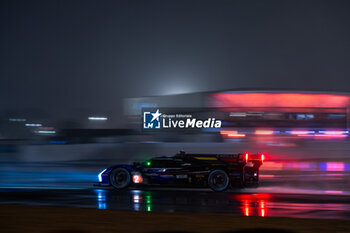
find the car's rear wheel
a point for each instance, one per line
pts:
(120, 178)
(218, 180)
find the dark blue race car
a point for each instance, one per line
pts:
(217, 171)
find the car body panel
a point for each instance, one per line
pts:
(190, 169)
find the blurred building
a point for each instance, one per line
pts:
(244, 112)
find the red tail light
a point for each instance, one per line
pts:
(246, 157)
(262, 157)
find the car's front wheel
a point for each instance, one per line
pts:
(120, 178)
(218, 180)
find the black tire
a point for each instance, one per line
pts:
(218, 180)
(120, 178)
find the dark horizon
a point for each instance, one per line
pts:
(63, 55)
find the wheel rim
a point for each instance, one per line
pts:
(121, 178)
(218, 180)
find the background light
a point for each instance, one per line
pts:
(34, 125)
(97, 118)
(18, 119)
(46, 131)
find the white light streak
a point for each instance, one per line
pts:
(98, 118)
(46, 131)
(17, 119)
(33, 125)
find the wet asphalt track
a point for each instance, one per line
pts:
(283, 193)
(248, 202)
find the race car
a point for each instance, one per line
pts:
(217, 171)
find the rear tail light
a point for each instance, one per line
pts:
(246, 157)
(262, 157)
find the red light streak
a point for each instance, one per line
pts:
(335, 166)
(334, 132)
(228, 132)
(302, 132)
(249, 207)
(323, 135)
(333, 191)
(262, 204)
(267, 176)
(278, 100)
(236, 135)
(263, 132)
(246, 208)
(232, 133)
(262, 209)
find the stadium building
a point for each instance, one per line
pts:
(246, 113)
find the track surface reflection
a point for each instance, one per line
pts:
(182, 200)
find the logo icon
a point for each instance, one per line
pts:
(151, 120)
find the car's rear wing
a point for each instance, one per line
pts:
(243, 157)
(251, 170)
(233, 158)
(256, 157)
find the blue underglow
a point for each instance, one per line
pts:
(101, 199)
(58, 142)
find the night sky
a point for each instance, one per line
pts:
(64, 55)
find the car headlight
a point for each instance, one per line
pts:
(100, 175)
